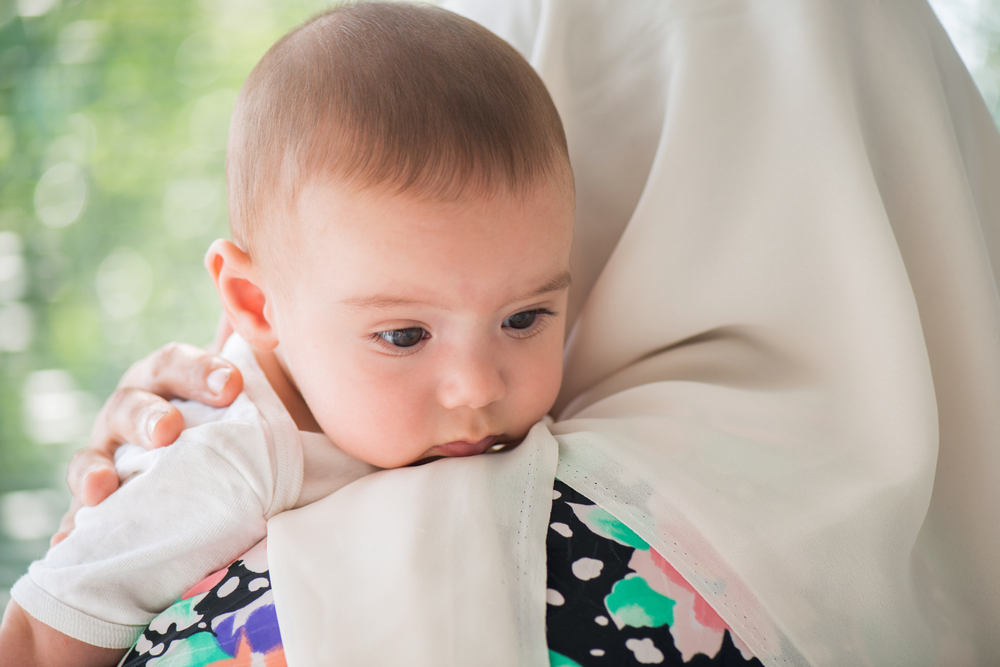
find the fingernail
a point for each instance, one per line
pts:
(151, 424)
(217, 380)
(84, 487)
(96, 469)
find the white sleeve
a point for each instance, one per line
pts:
(195, 510)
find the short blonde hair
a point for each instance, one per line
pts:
(401, 96)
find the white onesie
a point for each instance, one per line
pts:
(185, 511)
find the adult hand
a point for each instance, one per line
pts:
(139, 412)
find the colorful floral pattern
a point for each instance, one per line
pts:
(227, 620)
(612, 600)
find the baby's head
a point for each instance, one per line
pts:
(401, 204)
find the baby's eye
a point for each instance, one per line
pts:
(527, 323)
(403, 337)
(521, 320)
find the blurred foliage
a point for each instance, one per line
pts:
(113, 121)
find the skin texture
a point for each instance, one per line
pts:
(452, 274)
(139, 412)
(26, 641)
(480, 284)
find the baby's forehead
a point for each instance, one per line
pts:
(402, 238)
(329, 203)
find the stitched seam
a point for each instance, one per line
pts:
(745, 628)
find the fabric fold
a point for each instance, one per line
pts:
(434, 565)
(783, 368)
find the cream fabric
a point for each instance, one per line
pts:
(183, 512)
(442, 564)
(784, 364)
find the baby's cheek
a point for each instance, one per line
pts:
(381, 426)
(543, 384)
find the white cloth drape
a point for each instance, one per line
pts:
(783, 370)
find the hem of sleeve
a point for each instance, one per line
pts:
(71, 621)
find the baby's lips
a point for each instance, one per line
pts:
(463, 448)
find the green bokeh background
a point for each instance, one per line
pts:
(113, 122)
(117, 109)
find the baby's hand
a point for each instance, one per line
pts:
(139, 412)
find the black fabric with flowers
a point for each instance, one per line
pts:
(614, 601)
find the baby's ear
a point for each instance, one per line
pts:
(240, 288)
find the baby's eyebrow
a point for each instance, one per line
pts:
(556, 284)
(381, 301)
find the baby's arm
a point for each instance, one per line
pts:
(193, 511)
(25, 640)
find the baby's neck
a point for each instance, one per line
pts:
(286, 391)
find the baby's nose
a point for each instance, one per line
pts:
(470, 381)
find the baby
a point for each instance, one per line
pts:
(401, 205)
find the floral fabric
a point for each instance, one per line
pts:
(226, 620)
(611, 601)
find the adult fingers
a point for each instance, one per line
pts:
(184, 371)
(137, 412)
(91, 477)
(136, 416)
(130, 415)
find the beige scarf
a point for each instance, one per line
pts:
(783, 370)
